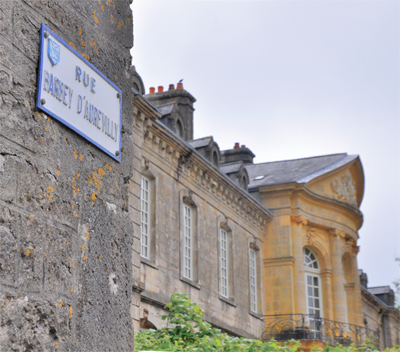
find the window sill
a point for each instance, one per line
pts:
(148, 262)
(256, 315)
(190, 282)
(227, 300)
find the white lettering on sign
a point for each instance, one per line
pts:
(77, 94)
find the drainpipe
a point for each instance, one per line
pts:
(384, 315)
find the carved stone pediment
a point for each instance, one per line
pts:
(344, 189)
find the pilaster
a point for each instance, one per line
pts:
(298, 223)
(338, 291)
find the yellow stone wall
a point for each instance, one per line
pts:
(316, 219)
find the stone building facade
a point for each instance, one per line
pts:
(65, 232)
(91, 249)
(315, 205)
(312, 248)
(306, 241)
(380, 313)
(201, 234)
(307, 253)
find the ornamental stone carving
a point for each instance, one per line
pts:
(337, 232)
(298, 220)
(310, 236)
(344, 189)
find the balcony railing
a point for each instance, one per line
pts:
(284, 327)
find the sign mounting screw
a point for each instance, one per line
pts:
(117, 153)
(118, 95)
(46, 34)
(42, 101)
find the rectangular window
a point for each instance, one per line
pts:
(187, 242)
(224, 263)
(145, 218)
(253, 281)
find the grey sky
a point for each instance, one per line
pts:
(291, 79)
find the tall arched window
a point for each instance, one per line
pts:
(313, 283)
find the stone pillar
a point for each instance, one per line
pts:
(298, 227)
(327, 298)
(357, 299)
(338, 292)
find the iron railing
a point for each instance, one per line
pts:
(284, 327)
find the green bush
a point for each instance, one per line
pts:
(187, 331)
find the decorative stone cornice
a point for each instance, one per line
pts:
(190, 165)
(281, 261)
(326, 273)
(350, 286)
(293, 190)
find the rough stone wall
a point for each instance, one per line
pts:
(65, 232)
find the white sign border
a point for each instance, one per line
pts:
(80, 57)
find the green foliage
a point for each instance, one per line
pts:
(367, 347)
(187, 331)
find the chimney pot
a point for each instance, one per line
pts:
(236, 146)
(152, 90)
(243, 146)
(179, 85)
(160, 89)
(171, 87)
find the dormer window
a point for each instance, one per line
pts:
(179, 128)
(215, 159)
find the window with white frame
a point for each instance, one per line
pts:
(253, 280)
(187, 242)
(224, 263)
(313, 283)
(145, 218)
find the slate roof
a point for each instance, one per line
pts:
(166, 109)
(297, 170)
(230, 168)
(201, 142)
(379, 290)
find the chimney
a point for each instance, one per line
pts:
(183, 111)
(238, 153)
(152, 90)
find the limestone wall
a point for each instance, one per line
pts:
(176, 179)
(373, 311)
(65, 233)
(302, 220)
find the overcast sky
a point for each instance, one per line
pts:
(291, 79)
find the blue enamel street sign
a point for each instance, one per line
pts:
(73, 91)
